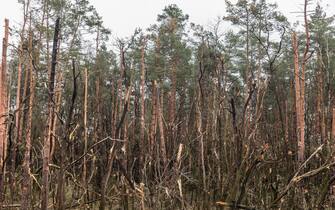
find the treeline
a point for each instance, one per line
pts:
(177, 116)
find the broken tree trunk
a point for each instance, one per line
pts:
(51, 113)
(3, 110)
(18, 106)
(298, 100)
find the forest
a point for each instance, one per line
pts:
(177, 116)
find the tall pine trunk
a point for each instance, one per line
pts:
(298, 100)
(3, 110)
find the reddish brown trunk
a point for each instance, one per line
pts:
(17, 137)
(298, 100)
(3, 109)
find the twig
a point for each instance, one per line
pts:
(79, 204)
(233, 205)
(15, 205)
(296, 178)
(95, 144)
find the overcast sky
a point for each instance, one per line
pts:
(123, 16)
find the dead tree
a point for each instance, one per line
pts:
(142, 106)
(161, 127)
(85, 129)
(3, 110)
(298, 100)
(17, 138)
(65, 140)
(300, 85)
(153, 124)
(51, 113)
(26, 184)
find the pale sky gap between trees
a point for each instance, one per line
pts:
(142, 13)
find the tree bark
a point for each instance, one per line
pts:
(26, 184)
(85, 130)
(161, 128)
(298, 101)
(172, 108)
(142, 106)
(333, 125)
(51, 113)
(153, 124)
(3, 110)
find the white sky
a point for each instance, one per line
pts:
(123, 16)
